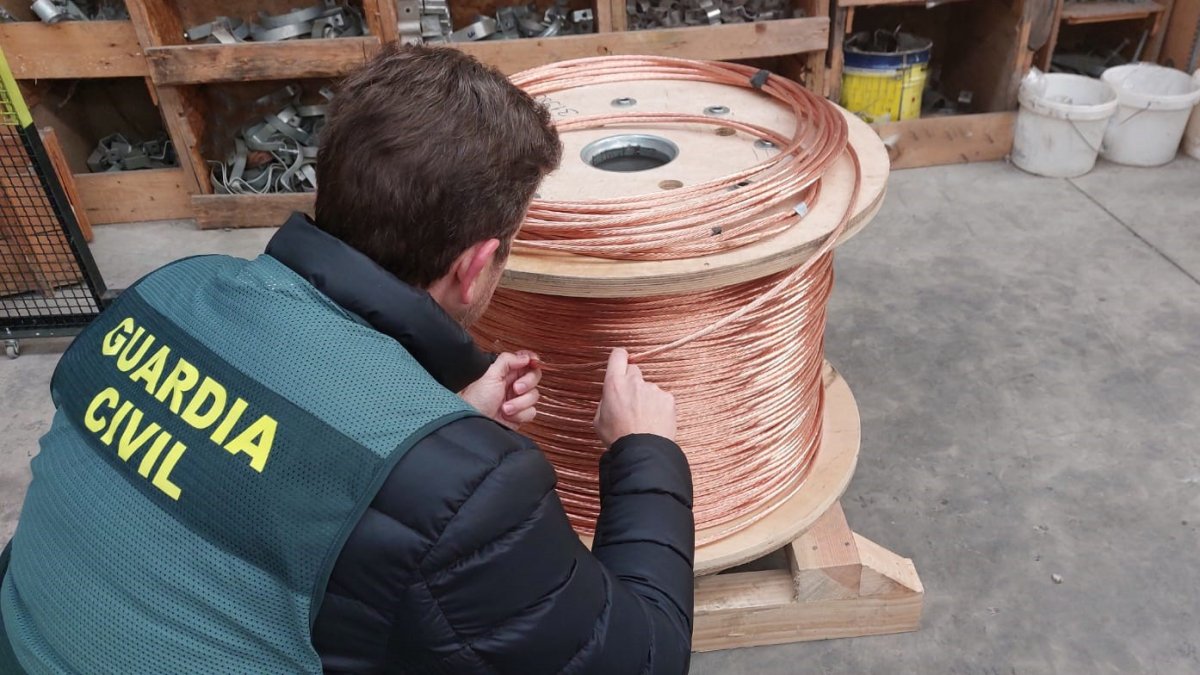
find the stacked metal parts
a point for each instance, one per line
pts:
(323, 20)
(644, 14)
(116, 153)
(57, 11)
(278, 153)
(430, 22)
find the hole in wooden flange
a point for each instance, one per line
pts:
(670, 185)
(725, 131)
(630, 152)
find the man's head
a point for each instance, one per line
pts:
(428, 162)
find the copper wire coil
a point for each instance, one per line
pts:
(744, 361)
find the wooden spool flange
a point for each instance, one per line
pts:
(830, 473)
(703, 156)
(706, 155)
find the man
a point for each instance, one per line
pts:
(263, 466)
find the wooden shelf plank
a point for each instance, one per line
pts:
(954, 139)
(730, 41)
(877, 3)
(881, 3)
(133, 196)
(1075, 13)
(217, 211)
(292, 59)
(73, 49)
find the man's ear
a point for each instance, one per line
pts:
(471, 265)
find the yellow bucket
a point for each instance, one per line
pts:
(885, 86)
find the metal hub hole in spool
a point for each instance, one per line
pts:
(624, 102)
(764, 144)
(716, 110)
(629, 152)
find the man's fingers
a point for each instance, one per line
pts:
(528, 381)
(524, 417)
(634, 373)
(618, 362)
(508, 361)
(516, 405)
(507, 366)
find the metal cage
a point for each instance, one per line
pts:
(49, 283)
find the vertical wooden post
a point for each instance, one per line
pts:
(67, 178)
(380, 16)
(183, 114)
(816, 61)
(618, 16)
(843, 18)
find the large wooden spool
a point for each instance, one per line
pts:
(704, 155)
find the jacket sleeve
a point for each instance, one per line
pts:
(500, 583)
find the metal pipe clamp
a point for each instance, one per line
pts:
(482, 28)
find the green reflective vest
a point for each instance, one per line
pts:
(220, 431)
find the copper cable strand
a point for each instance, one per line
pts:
(744, 361)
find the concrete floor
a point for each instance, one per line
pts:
(1025, 355)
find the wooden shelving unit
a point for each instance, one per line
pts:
(1099, 12)
(196, 86)
(47, 59)
(199, 64)
(980, 46)
(723, 42)
(1140, 23)
(36, 51)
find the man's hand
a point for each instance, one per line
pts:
(508, 391)
(630, 405)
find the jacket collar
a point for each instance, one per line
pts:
(360, 286)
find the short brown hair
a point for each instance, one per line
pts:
(425, 152)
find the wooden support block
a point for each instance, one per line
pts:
(72, 49)
(134, 196)
(953, 139)
(247, 61)
(66, 179)
(723, 42)
(826, 564)
(217, 211)
(839, 584)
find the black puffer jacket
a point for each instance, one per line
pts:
(465, 562)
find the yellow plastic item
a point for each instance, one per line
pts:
(13, 111)
(884, 95)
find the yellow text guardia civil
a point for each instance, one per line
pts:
(200, 401)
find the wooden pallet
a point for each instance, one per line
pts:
(833, 583)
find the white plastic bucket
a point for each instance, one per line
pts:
(1191, 136)
(1061, 123)
(1155, 103)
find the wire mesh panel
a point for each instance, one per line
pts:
(48, 281)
